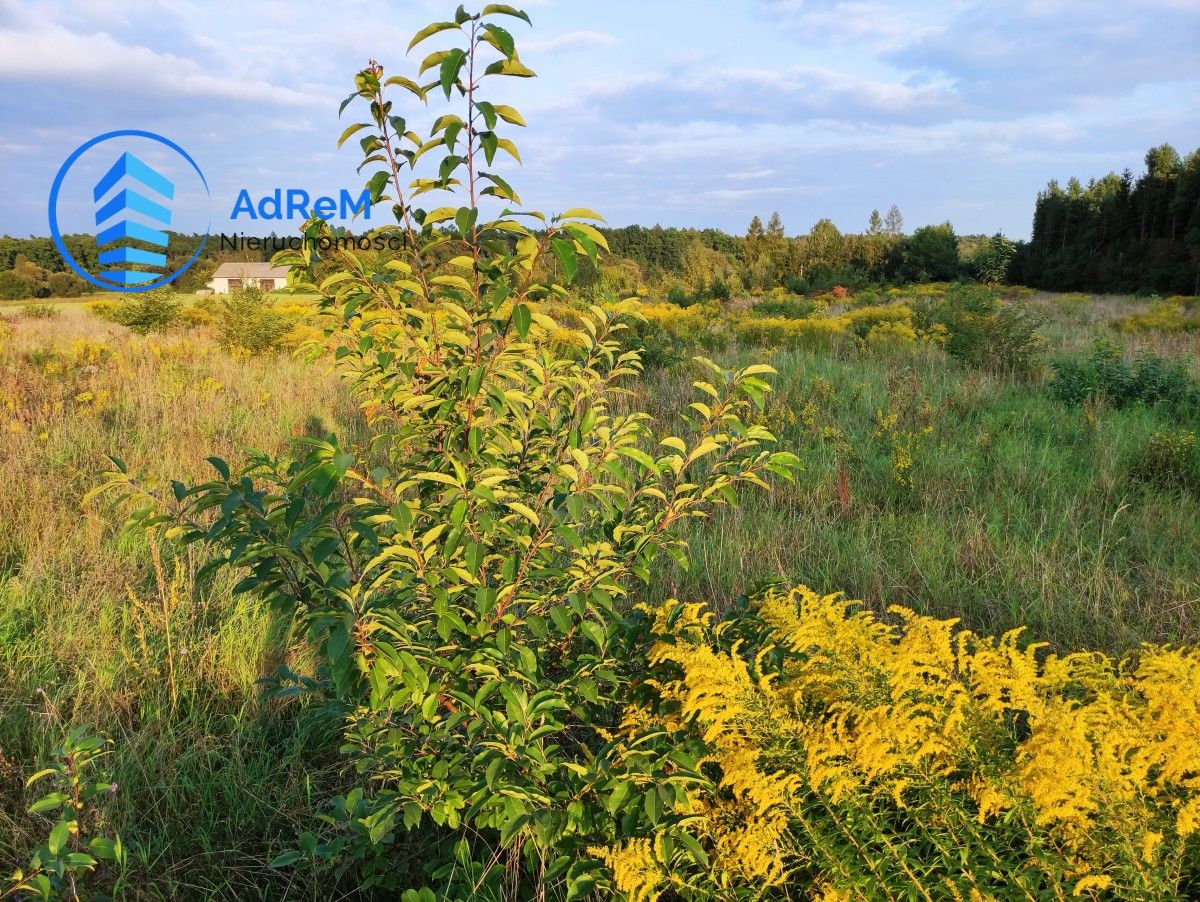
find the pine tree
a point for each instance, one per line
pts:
(875, 225)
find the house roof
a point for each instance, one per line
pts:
(241, 270)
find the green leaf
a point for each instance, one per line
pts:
(490, 142)
(565, 252)
(451, 66)
(282, 861)
(503, 9)
(524, 510)
(406, 83)
(58, 837)
(350, 130)
(376, 185)
(522, 319)
(653, 805)
(508, 114)
(580, 887)
(619, 794)
(641, 457)
(220, 466)
(49, 802)
(103, 848)
(464, 220)
(513, 67)
(577, 212)
(500, 39)
(430, 30)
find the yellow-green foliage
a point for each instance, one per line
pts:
(902, 758)
(1167, 316)
(875, 325)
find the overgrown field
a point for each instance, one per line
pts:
(958, 486)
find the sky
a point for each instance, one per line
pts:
(678, 113)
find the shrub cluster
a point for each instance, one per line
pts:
(1169, 460)
(243, 320)
(982, 330)
(1105, 374)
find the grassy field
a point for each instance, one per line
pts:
(1017, 509)
(949, 489)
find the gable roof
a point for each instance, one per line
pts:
(240, 270)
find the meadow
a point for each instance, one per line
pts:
(957, 490)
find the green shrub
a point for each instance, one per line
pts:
(143, 312)
(12, 286)
(463, 580)
(1164, 316)
(76, 787)
(1169, 460)
(790, 308)
(246, 320)
(40, 311)
(1105, 374)
(64, 285)
(982, 330)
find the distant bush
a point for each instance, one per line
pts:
(1105, 374)
(40, 311)
(12, 286)
(787, 307)
(144, 312)
(666, 334)
(246, 320)
(983, 331)
(1162, 317)
(194, 317)
(64, 285)
(1169, 460)
(821, 278)
(929, 254)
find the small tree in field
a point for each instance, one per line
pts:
(992, 259)
(464, 579)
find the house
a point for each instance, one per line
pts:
(235, 276)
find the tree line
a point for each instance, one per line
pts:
(1114, 234)
(1118, 234)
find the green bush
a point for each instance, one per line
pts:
(12, 286)
(40, 311)
(463, 580)
(1105, 374)
(143, 312)
(246, 320)
(64, 285)
(790, 308)
(984, 331)
(1169, 460)
(74, 801)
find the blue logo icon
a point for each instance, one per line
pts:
(133, 204)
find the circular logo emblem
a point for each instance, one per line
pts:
(129, 189)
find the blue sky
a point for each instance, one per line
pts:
(681, 113)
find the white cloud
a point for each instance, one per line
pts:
(48, 50)
(571, 40)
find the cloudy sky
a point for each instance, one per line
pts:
(681, 113)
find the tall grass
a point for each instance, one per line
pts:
(95, 627)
